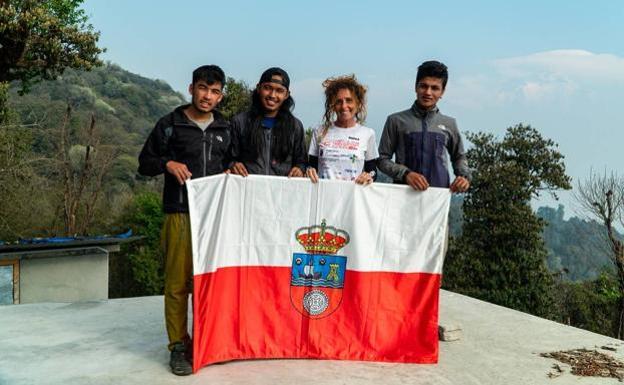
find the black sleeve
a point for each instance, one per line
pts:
(370, 166)
(235, 137)
(227, 158)
(155, 154)
(313, 162)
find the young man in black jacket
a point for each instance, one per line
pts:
(190, 142)
(268, 139)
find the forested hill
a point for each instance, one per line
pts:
(578, 248)
(47, 158)
(126, 105)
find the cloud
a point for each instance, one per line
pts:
(539, 77)
(543, 88)
(565, 63)
(560, 73)
(534, 90)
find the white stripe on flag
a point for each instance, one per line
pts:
(252, 221)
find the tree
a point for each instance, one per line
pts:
(84, 167)
(602, 196)
(16, 177)
(500, 255)
(592, 305)
(39, 39)
(236, 98)
(139, 269)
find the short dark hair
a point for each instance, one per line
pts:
(434, 69)
(211, 74)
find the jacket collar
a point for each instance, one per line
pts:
(180, 118)
(420, 112)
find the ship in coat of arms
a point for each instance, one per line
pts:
(317, 276)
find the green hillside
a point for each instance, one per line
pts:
(124, 106)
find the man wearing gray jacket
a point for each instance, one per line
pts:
(422, 139)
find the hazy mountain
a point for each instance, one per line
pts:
(574, 245)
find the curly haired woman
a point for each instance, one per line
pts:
(342, 148)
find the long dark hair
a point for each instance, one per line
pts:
(282, 132)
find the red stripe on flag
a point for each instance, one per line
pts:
(246, 312)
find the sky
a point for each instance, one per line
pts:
(556, 65)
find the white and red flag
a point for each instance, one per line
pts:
(284, 268)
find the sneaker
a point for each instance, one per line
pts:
(180, 364)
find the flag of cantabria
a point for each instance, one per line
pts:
(284, 268)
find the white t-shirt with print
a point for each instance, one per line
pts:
(343, 151)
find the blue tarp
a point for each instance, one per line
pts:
(35, 241)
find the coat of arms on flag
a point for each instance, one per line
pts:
(317, 277)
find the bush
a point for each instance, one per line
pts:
(138, 269)
(591, 305)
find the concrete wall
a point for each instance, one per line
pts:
(64, 278)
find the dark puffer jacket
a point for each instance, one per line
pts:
(177, 138)
(264, 163)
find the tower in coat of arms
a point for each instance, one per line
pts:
(317, 276)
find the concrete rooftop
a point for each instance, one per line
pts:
(123, 342)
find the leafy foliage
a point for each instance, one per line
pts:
(236, 98)
(602, 196)
(40, 39)
(16, 177)
(591, 305)
(138, 269)
(500, 256)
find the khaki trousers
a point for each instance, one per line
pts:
(176, 244)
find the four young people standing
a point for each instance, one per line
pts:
(195, 140)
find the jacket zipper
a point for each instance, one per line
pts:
(181, 189)
(422, 144)
(268, 139)
(204, 151)
(210, 148)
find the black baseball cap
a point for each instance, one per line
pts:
(267, 76)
